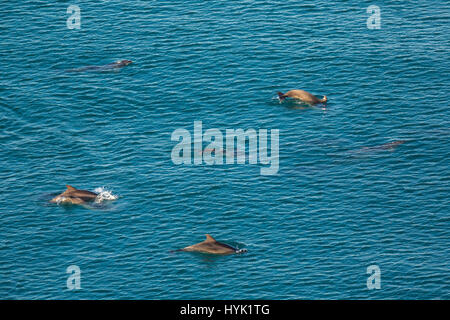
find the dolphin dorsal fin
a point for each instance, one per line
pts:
(209, 238)
(70, 188)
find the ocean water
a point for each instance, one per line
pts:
(335, 206)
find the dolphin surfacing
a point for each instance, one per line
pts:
(210, 245)
(74, 196)
(302, 95)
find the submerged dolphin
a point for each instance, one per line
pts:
(386, 146)
(107, 67)
(210, 245)
(74, 196)
(303, 96)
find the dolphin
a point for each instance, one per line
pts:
(303, 96)
(107, 67)
(210, 245)
(386, 146)
(363, 151)
(74, 196)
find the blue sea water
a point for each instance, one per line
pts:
(334, 207)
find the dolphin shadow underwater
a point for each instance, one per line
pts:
(366, 151)
(115, 66)
(212, 246)
(390, 146)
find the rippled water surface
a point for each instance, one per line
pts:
(336, 206)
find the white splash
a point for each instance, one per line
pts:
(104, 194)
(60, 200)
